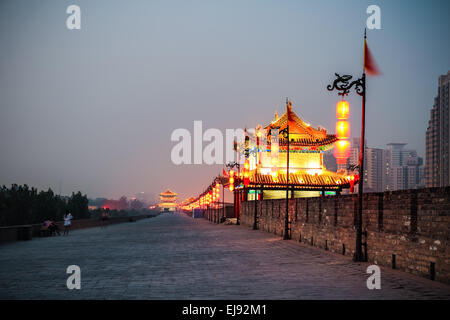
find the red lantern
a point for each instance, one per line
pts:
(342, 129)
(246, 179)
(341, 151)
(342, 110)
(342, 146)
(246, 173)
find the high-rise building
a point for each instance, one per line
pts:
(393, 169)
(329, 161)
(373, 168)
(386, 169)
(403, 168)
(355, 149)
(396, 153)
(373, 165)
(437, 167)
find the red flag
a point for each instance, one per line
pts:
(224, 172)
(369, 62)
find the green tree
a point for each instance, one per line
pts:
(78, 206)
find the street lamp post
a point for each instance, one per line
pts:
(255, 211)
(285, 133)
(231, 165)
(223, 202)
(343, 85)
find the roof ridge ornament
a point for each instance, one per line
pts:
(289, 105)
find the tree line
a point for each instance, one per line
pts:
(21, 204)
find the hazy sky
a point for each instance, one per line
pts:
(93, 109)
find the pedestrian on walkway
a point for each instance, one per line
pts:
(67, 222)
(104, 218)
(53, 228)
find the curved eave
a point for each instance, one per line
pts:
(300, 186)
(168, 193)
(330, 139)
(296, 124)
(169, 204)
(302, 180)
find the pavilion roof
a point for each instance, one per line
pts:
(309, 135)
(168, 193)
(167, 204)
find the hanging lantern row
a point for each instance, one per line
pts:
(342, 145)
(246, 173)
(205, 199)
(231, 180)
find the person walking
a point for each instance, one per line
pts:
(104, 219)
(67, 222)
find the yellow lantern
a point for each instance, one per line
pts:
(342, 110)
(343, 129)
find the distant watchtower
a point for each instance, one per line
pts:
(168, 199)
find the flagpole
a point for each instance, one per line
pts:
(358, 249)
(286, 235)
(343, 85)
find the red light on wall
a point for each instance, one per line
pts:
(342, 110)
(246, 165)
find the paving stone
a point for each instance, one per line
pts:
(173, 256)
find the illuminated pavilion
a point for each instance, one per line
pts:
(307, 173)
(264, 173)
(168, 199)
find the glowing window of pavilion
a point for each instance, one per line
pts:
(307, 173)
(168, 199)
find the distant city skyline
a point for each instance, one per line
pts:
(93, 109)
(394, 167)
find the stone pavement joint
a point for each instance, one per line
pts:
(173, 256)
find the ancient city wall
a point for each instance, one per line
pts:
(407, 230)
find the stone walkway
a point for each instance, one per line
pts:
(173, 256)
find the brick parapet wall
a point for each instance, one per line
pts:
(410, 227)
(216, 215)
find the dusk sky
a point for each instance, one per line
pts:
(94, 109)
